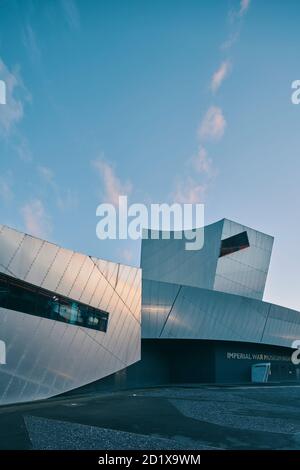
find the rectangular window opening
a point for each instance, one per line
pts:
(24, 297)
(235, 243)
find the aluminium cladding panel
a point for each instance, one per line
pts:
(77, 276)
(244, 272)
(126, 280)
(10, 241)
(157, 301)
(46, 358)
(205, 314)
(210, 315)
(282, 327)
(169, 261)
(108, 269)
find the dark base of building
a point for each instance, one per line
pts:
(176, 361)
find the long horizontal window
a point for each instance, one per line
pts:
(235, 243)
(27, 298)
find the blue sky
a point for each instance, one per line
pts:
(163, 100)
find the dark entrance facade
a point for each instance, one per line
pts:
(196, 361)
(174, 362)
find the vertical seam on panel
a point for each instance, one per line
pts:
(18, 247)
(97, 267)
(131, 289)
(165, 322)
(102, 346)
(34, 259)
(117, 276)
(76, 277)
(88, 280)
(64, 272)
(265, 325)
(7, 269)
(50, 266)
(124, 284)
(105, 275)
(99, 279)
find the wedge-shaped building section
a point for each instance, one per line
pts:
(234, 259)
(66, 319)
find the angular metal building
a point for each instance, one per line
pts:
(69, 320)
(203, 318)
(66, 319)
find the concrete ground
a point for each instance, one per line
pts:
(185, 417)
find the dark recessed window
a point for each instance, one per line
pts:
(236, 243)
(27, 298)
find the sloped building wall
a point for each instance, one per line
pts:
(47, 357)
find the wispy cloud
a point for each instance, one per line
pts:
(189, 191)
(31, 44)
(244, 5)
(199, 171)
(230, 41)
(220, 75)
(235, 18)
(213, 124)
(71, 13)
(21, 146)
(13, 111)
(2, 92)
(113, 187)
(64, 197)
(46, 173)
(66, 200)
(196, 179)
(37, 222)
(201, 162)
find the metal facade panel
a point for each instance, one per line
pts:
(204, 314)
(53, 356)
(57, 269)
(210, 315)
(243, 272)
(229, 309)
(283, 326)
(42, 263)
(108, 269)
(82, 279)
(157, 301)
(70, 274)
(125, 281)
(169, 261)
(89, 288)
(25, 256)
(133, 299)
(10, 241)
(46, 357)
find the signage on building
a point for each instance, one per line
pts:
(257, 356)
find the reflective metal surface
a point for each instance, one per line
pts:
(199, 295)
(46, 357)
(205, 314)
